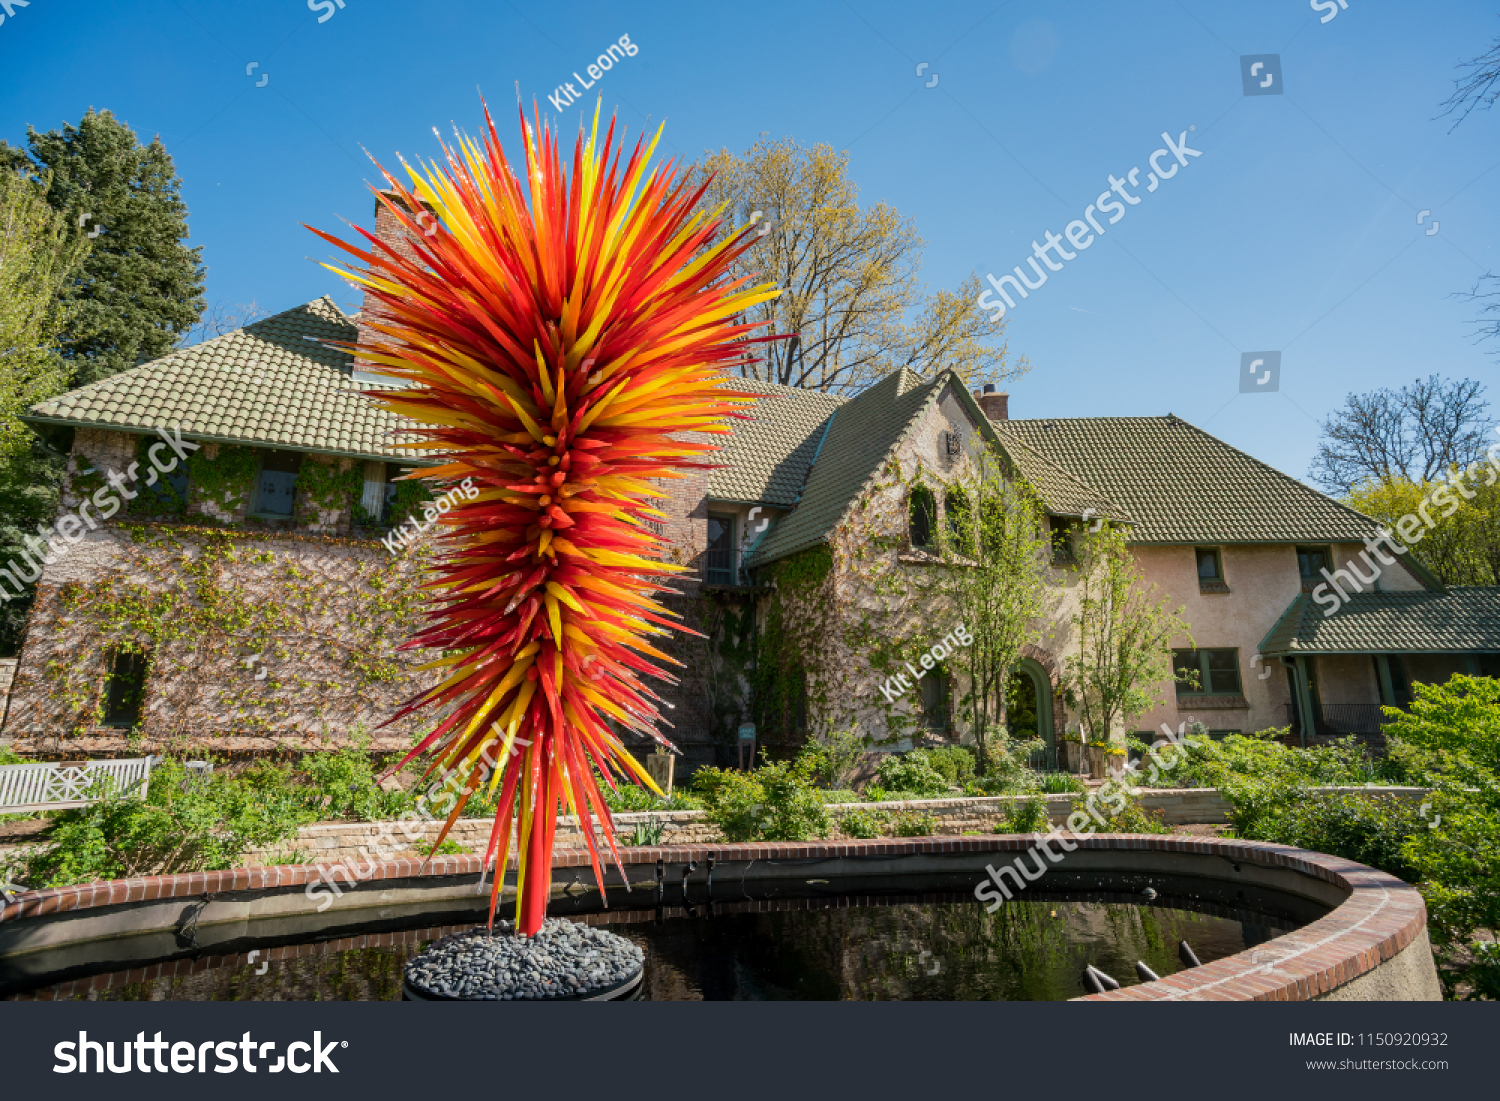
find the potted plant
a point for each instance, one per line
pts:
(1097, 752)
(1072, 750)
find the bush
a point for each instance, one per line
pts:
(776, 802)
(1060, 783)
(863, 824)
(915, 772)
(913, 823)
(645, 833)
(186, 823)
(834, 757)
(875, 794)
(628, 796)
(1129, 816)
(1027, 817)
(1007, 764)
(840, 796)
(339, 785)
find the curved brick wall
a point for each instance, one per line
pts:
(1372, 945)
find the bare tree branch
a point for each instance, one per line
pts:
(1416, 433)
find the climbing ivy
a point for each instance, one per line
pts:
(160, 498)
(227, 480)
(249, 634)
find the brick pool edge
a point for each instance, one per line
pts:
(1372, 945)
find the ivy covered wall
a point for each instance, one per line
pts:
(257, 635)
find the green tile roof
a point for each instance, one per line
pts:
(1461, 620)
(767, 458)
(864, 430)
(274, 383)
(1181, 485)
(1061, 492)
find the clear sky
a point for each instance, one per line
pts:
(1295, 231)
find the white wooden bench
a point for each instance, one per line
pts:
(51, 786)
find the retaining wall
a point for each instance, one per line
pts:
(333, 842)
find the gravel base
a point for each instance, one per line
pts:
(563, 960)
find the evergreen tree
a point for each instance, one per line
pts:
(39, 252)
(140, 287)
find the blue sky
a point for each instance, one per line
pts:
(1295, 231)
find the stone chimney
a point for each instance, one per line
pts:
(996, 404)
(389, 230)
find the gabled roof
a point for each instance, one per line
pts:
(862, 433)
(275, 383)
(1181, 485)
(768, 456)
(1061, 492)
(1463, 620)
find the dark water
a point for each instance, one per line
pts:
(851, 947)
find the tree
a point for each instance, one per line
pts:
(1124, 636)
(995, 552)
(140, 288)
(1463, 548)
(850, 292)
(39, 251)
(223, 318)
(1478, 84)
(1416, 433)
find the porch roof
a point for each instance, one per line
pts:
(1462, 620)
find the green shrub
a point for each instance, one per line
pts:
(1060, 783)
(875, 794)
(863, 824)
(627, 796)
(776, 802)
(913, 823)
(840, 796)
(914, 772)
(186, 823)
(1007, 764)
(834, 757)
(645, 833)
(1027, 817)
(1128, 816)
(341, 785)
(954, 762)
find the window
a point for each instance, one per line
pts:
(1311, 562)
(934, 686)
(1062, 540)
(1210, 567)
(125, 688)
(167, 494)
(923, 516)
(276, 488)
(960, 518)
(719, 563)
(1207, 672)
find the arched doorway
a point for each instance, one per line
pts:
(1028, 704)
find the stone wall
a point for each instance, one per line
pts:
(256, 641)
(1179, 806)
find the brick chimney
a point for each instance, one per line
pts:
(389, 230)
(996, 404)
